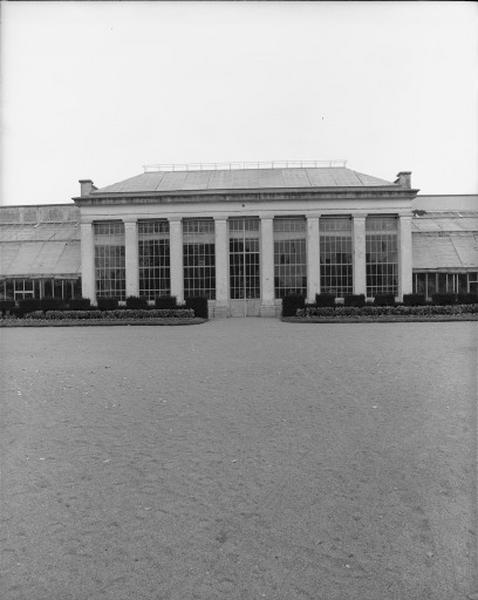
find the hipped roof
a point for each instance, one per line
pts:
(242, 179)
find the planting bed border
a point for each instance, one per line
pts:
(171, 321)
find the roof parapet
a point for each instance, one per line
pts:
(229, 166)
(87, 187)
(404, 179)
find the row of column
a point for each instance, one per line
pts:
(267, 258)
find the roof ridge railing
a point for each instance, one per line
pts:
(229, 166)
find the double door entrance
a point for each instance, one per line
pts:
(244, 266)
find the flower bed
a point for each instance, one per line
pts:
(373, 311)
(155, 313)
(126, 316)
(458, 312)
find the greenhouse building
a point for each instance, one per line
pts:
(244, 235)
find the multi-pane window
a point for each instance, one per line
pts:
(244, 258)
(336, 260)
(23, 288)
(199, 258)
(381, 247)
(17, 289)
(154, 258)
(290, 264)
(433, 282)
(110, 259)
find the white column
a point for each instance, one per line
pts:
(267, 268)
(131, 257)
(313, 258)
(405, 262)
(176, 258)
(87, 262)
(222, 275)
(359, 256)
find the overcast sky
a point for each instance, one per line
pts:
(97, 90)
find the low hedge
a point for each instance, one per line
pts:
(375, 311)
(356, 300)
(123, 314)
(107, 303)
(291, 304)
(165, 302)
(136, 302)
(384, 300)
(79, 304)
(467, 299)
(6, 306)
(443, 299)
(414, 300)
(199, 305)
(325, 299)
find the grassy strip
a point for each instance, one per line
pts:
(169, 321)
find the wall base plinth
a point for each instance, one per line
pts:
(268, 310)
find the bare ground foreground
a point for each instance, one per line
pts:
(239, 459)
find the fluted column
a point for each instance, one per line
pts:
(87, 261)
(131, 257)
(267, 268)
(359, 255)
(176, 258)
(222, 275)
(405, 262)
(313, 258)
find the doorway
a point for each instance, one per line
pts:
(244, 266)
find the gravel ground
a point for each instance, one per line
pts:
(239, 459)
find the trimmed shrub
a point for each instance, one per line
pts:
(49, 303)
(136, 302)
(28, 305)
(291, 304)
(107, 303)
(443, 299)
(325, 299)
(354, 300)
(199, 306)
(79, 304)
(414, 300)
(384, 300)
(467, 298)
(6, 306)
(165, 302)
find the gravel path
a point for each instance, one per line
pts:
(239, 459)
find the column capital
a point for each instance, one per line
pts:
(130, 220)
(86, 220)
(220, 219)
(359, 215)
(175, 219)
(313, 215)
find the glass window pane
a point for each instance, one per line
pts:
(199, 258)
(290, 263)
(381, 243)
(154, 258)
(336, 260)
